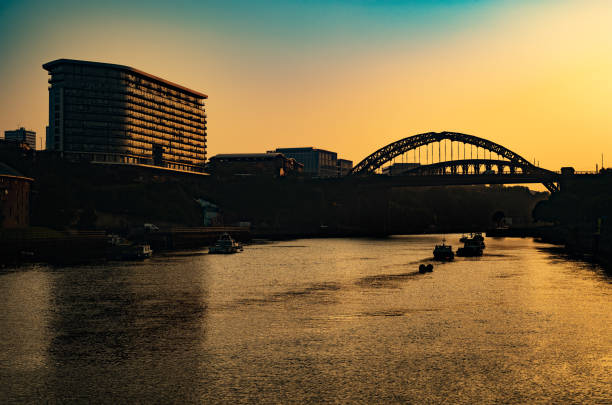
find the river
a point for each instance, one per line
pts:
(315, 320)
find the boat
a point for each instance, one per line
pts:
(443, 252)
(475, 238)
(471, 248)
(142, 251)
(122, 249)
(225, 245)
(138, 251)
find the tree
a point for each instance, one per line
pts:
(498, 217)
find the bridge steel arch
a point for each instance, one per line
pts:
(387, 153)
(397, 148)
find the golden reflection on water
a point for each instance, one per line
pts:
(24, 335)
(334, 320)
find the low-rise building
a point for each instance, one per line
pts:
(267, 164)
(344, 167)
(317, 162)
(14, 198)
(21, 135)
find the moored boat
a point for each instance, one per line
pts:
(225, 245)
(138, 251)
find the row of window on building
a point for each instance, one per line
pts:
(111, 113)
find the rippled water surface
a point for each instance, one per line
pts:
(320, 320)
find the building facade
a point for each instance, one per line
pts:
(108, 113)
(266, 164)
(317, 162)
(344, 167)
(397, 169)
(14, 198)
(21, 135)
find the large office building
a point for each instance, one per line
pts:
(21, 135)
(108, 113)
(317, 162)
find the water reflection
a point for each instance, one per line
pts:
(335, 320)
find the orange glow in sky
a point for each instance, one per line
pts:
(345, 76)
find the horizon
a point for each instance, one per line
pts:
(345, 76)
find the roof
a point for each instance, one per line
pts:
(50, 65)
(22, 129)
(7, 171)
(303, 149)
(247, 156)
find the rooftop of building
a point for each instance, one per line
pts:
(19, 129)
(50, 65)
(303, 149)
(7, 171)
(247, 156)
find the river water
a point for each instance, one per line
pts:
(317, 320)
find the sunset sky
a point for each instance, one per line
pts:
(348, 76)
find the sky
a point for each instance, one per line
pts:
(347, 76)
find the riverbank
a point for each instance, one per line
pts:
(44, 245)
(577, 241)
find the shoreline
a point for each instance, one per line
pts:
(73, 248)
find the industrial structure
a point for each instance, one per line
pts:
(318, 162)
(107, 113)
(267, 164)
(21, 135)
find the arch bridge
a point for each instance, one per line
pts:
(453, 154)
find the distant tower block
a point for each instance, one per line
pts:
(21, 135)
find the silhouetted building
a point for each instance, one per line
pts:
(344, 167)
(21, 135)
(267, 164)
(317, 162)
(14, 198)
(102, 112)
(397, 169)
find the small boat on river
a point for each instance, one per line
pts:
(139, 251)
(443, 252)
(472, 245)
(225, 245)
(475, 238)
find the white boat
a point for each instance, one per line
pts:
(225, 245)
